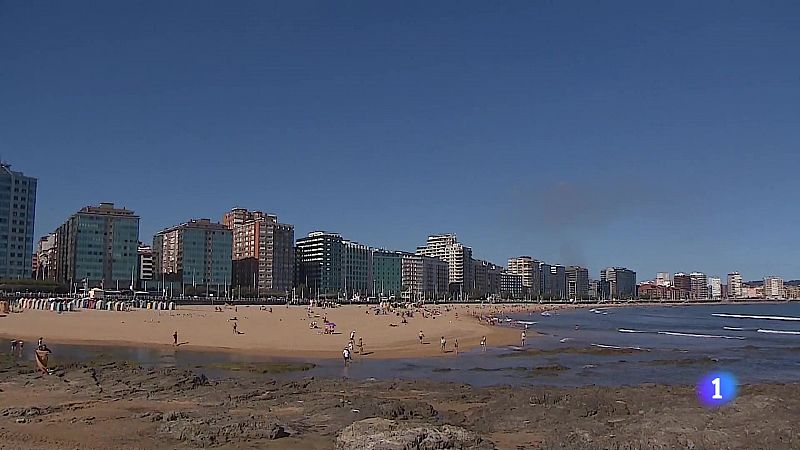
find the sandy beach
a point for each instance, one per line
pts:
(283, 331)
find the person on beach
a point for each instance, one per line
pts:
(42, 354)
(41, 341)
(523, 338)
(421, 336)
(20, 346)
(14, 347)
(346, 356)
(443, 343)
(353, 335)
(455, 345)
(175, 338)
(483, 344)
(350, 347)
(234, 328)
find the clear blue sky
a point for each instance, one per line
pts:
(662, 136)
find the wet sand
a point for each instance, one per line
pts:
(109, 404)
(284, 332)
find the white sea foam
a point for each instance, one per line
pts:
(778, 331)
(713, 336)
(619, 348)
(743, 316)
(733, 328)
(625, 330)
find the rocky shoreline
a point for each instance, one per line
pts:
(108, 404)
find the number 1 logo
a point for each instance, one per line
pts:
(716, 383)
(716, 389)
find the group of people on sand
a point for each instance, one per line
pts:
(18, 345)
(443, 342)
(347, 352)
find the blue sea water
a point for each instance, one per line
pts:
(672, 345)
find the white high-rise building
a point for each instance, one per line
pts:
(773, 288)
(529, 269)
(735, 285)
(662, 279)
(699, 285)
(715, 283)
(457, 256)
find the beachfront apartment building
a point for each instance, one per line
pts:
(528, 268)
(96, 247)
(546, 290)
(196, 253)
(424, 277)
(46, 254)
(559, 280)
(17, 213)
(773, 288)
(263, 251)
(145, 253)
(683, 284)
(511, 285)
(387, 273)
(330, 266)
(577, 283)
(715, 287)
(458, 258)
(318, 261)
(699, 285)
(485, 278)
(620, 283)
(356, 269)
(735, 285)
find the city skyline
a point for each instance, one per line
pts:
(656, 137)
(231, 220)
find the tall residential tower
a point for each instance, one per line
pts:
(194, 253)
(17, 211)
(457, 256)
(97, 246)
(263, 251)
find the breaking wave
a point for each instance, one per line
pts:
(743, 316)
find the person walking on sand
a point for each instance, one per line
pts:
(41, 341)
(455, 344)
(350, 347)
(483, 344)
(361, 345)
(175, 338)
(14, 347)
(234, 328)
(353, 335)
(421, 336)
(523, 338)
(443, 342)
